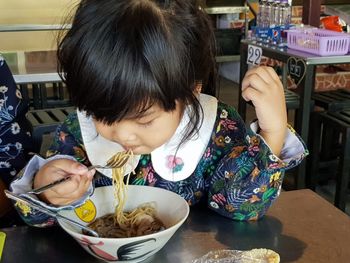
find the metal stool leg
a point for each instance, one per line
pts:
(313, 161)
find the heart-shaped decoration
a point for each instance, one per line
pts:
(296, 69)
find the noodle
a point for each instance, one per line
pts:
(140, 221)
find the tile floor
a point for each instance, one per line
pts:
(227, 91)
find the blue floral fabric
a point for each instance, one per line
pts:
(15, 138)
(238, 176)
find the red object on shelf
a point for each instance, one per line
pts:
(331, 23)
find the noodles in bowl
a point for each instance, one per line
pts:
(140, 221)
(130, 249)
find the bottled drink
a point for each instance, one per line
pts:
(269, 13)
(275, 29)
(260, 29)
(285, 12)
(276, 12)
(260, 22)
(270, 19)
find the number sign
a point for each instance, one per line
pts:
(254, 55)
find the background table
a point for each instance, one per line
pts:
(33, 66)
(305, 88)
(301, 227)
(36, 74)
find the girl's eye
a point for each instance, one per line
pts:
(145, 124)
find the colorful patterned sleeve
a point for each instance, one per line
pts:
(68, 142)
(249, 176)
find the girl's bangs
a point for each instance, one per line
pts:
(130, 99)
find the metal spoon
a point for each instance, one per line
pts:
(49, 212)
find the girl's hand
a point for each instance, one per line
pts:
(262, 86)
(68, 191)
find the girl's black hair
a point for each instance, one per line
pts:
(122, 56)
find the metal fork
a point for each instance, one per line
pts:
(111, 164)
(49, 212)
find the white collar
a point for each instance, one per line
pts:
(98, 149)
(171, 168)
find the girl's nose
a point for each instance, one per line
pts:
(125, 136)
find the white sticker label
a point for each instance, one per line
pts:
(254, 55)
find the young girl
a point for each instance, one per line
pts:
(133, 69)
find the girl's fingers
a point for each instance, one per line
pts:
(254, 81)
(275, 79)
(261, 78)
(68, 191)
(68, 186)
(273, 74)
(261, 70)
(72, 189)
(70, 166)
(257, 78)
(249, 94)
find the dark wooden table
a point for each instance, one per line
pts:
(301, 227)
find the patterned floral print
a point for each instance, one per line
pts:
(175, 163)
(237, 176)
(15, 139)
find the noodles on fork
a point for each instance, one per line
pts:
(141, 221)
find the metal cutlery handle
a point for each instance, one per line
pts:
(118, 163)
(59, 181)
(99, 166)
(48, 212)
(45, 187)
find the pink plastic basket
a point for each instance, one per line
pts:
(319, 41)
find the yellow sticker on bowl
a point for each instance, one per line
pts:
(86, 212)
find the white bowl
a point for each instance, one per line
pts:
(172, 210)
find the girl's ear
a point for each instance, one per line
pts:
(198, 86)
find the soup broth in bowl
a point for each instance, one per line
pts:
(170, 208)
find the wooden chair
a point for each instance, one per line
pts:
(340, 122)
(332, 103)
(45, 95)
(45, 121)
(335, 100)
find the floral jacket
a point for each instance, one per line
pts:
(15, 138)
(238, 176)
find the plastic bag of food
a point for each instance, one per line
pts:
(332, 23)
(257, 255)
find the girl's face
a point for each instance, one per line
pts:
(146, 133)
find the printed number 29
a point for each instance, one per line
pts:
(254, 55)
